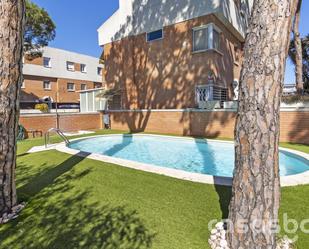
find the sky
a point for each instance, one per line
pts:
(77, 22)
(304, 30)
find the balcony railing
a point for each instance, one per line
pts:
(209, 92)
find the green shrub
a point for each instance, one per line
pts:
(42, 107)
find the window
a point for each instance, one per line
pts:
(83, 87)
(236, 54)
(46, 85)
(71, 87)
(97, 85)
(23, 84)
(200, 39)
(83, 68)
(46, 62)
(70, 66)
(206, 37)
(216, 39)
(100, 70)
(155, 35)
(102, 58)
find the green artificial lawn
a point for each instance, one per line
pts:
(300, 147)
(75, 202)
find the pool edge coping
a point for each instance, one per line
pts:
(285, 181)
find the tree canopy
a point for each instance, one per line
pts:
(305, 53)
(39, 29)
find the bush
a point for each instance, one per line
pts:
(297, 98)
(41, 107)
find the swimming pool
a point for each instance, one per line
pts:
(191, 155)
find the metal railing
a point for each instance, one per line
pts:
(219, 93)
(59, 132)
(209, 92)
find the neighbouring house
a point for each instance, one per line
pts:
(289, 89)
(57, 77)
(173, 54)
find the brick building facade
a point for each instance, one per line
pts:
(162, 57)
(57, 77)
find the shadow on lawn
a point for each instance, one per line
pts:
(41, 181)
(61, 215)
(224, 194)
(209, 161)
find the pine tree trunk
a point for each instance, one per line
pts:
(298, 51)
(11, 43)
(256, 184)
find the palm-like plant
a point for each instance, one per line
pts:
(305, 55)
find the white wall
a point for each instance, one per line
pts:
(59, 68)
(118, 25)
(139, 16)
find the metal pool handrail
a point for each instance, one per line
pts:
(59, 132)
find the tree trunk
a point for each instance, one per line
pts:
(11, 45)
(256, 184)
(298, 51)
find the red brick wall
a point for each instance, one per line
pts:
(66, 96)
(34, 89)
(295, 127)
(67, 122)
(36, 61)
(294, 124)
(41, 122)
(78, 122)
(163, 74)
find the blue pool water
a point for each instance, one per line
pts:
(199, 156)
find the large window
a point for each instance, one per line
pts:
(155, 35)
(236, 54)
(46, 62)
(216, 39)
(99, 71)
(83, 87)
(71, 87)
(206, 37)
(200, 39)
(70, 66)
(83, 68)
(46, 85)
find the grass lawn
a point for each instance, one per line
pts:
(80, 203)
